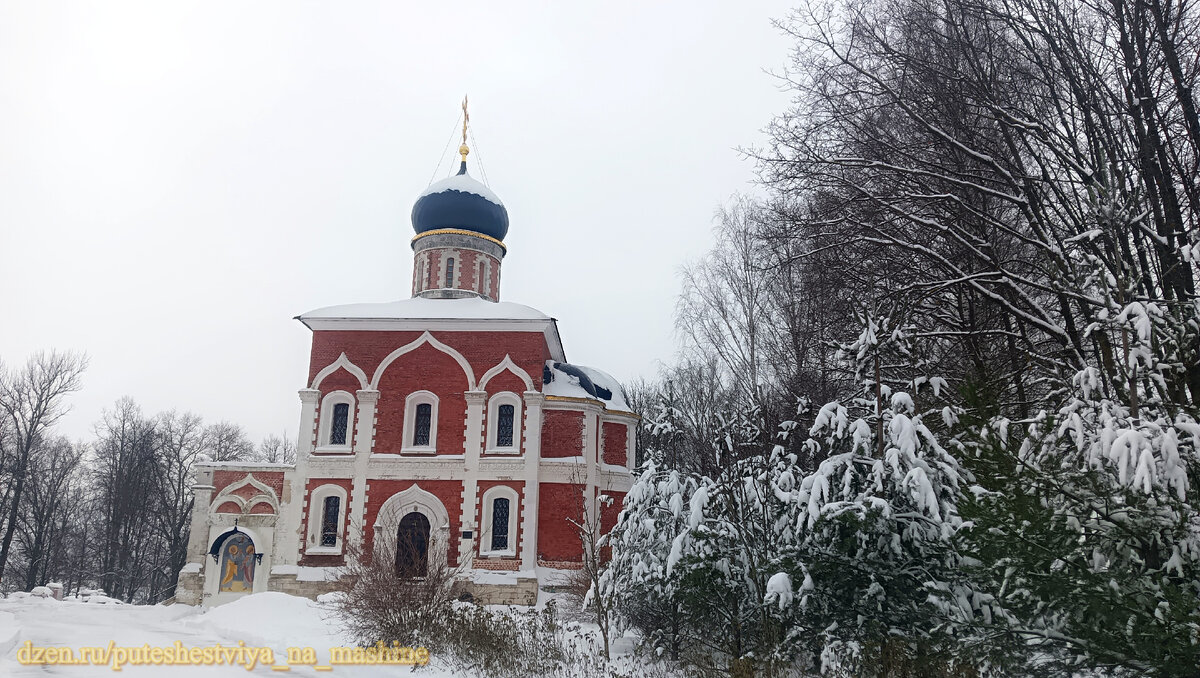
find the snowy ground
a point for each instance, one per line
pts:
(273, 620)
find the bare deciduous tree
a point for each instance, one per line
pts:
(32, 399)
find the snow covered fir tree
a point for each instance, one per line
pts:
(935, 409)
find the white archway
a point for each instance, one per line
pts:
(425, 338)
(506, 364)
(413, 500)
(342, 363)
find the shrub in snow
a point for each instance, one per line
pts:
(1087, 530)
(378, 605)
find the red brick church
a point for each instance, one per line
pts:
(450, 423)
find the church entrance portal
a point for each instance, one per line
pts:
(412, 546)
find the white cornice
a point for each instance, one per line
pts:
(548, 327)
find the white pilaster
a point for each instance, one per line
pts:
(532, 435)
(308, 422)
(364, 438)
(292, 503)
(591, 457)
(472, 449)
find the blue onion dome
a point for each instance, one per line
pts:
(463, 203)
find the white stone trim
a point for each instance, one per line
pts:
(506, 364)
(325, 421)
(425, 338)
(342, 363)
(316, 515)
(485, 520)
(220, 500)
(265, 493)
(533, 449)
(493, 420)
(410, 423)
(455, 275)
(483, 265)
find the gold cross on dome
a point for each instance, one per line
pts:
(463, 150)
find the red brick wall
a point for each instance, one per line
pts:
(615, 437)
(229, 507)
(449, 492)
(313, 483)
(505, 381)
(608, 518)
(424, 369)
(558, 539)
(272, 479)
(427, 368)
(340, 380)
(514, 538)
(482, 350)
(435, 270)
(562, 433)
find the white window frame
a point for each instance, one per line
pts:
(316, 513)
(410, 422)
(493, 421)
(485, 274)
(485, 533)
(455, 275)
(326, 428)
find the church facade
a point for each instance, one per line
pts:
(443, 429)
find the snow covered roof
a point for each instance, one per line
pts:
(576, 381)
(470, 308)
(204, 461)
(463, 183)
(446, 315)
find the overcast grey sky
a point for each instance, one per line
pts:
(178, 180)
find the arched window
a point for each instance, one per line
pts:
(504, 427)
(498, 536)
(500, 524)
(336, 422)
(450, 272)
(329, 521)
(421, 430)
(420, 423)
(341, 419)
(326, 517)
(481, 280)
(504, 423)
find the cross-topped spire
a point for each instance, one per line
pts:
(463, 150)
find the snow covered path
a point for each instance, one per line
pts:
(271, 620)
